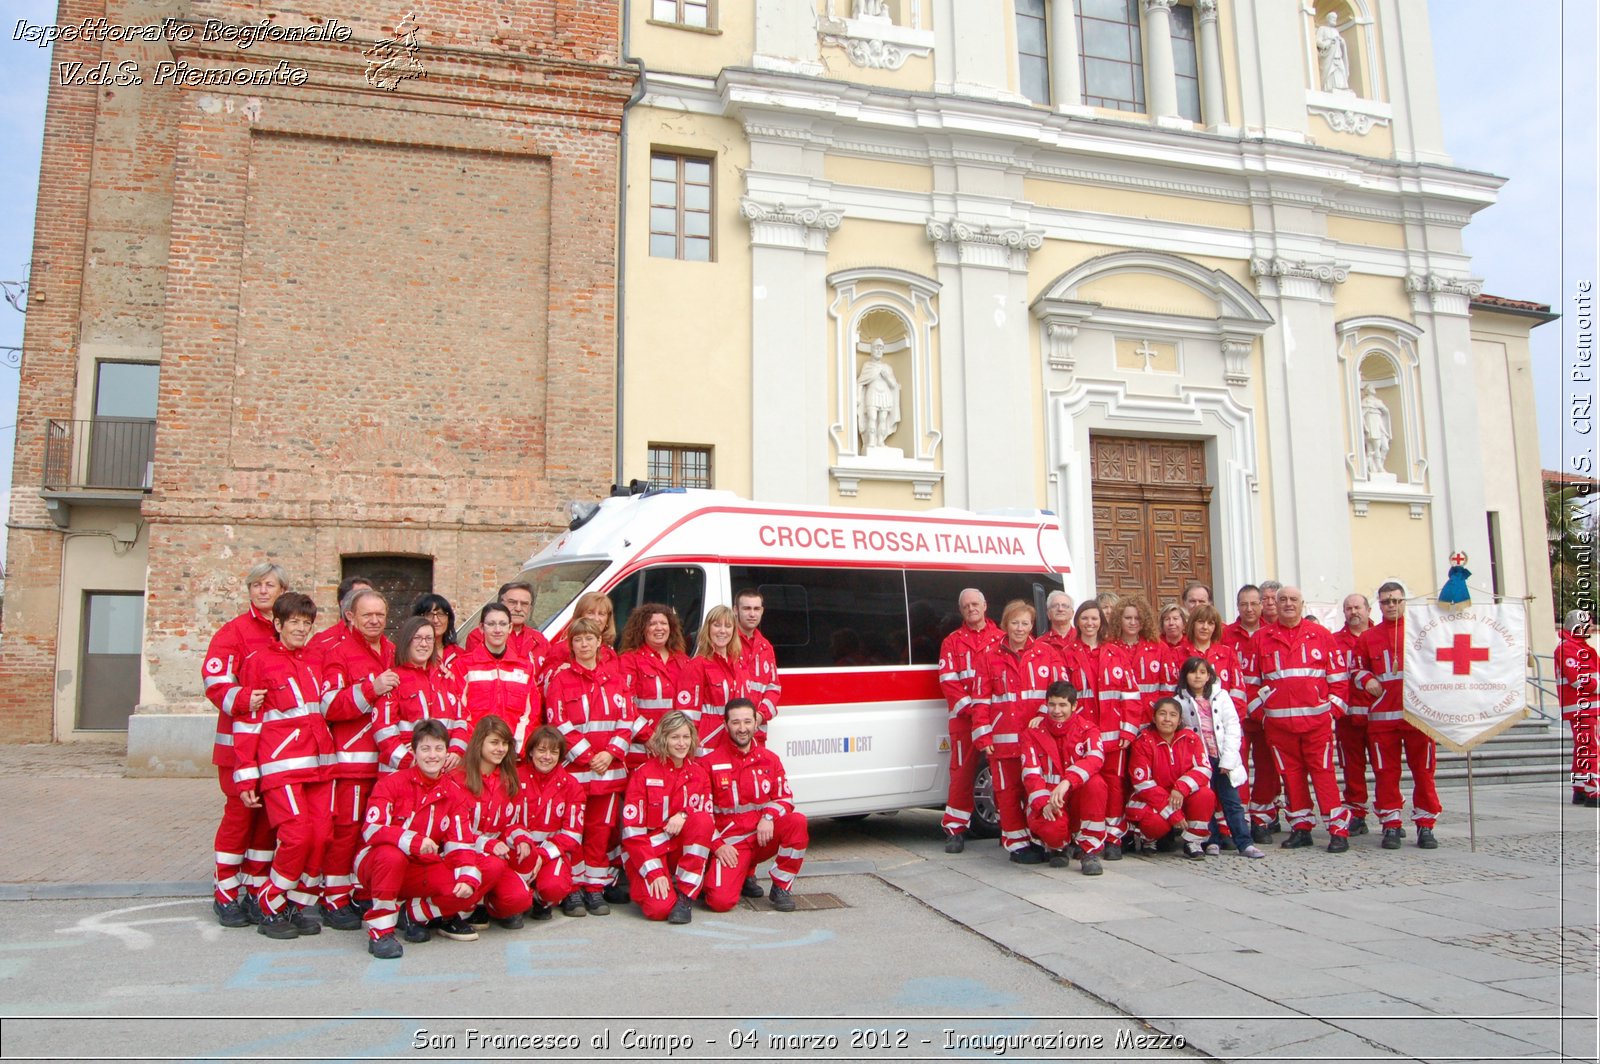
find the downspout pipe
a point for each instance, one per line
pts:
(622, 229)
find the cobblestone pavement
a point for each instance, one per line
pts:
(1571, 949)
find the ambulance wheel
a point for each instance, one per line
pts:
(985, 818)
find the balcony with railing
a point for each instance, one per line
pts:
(107, 461)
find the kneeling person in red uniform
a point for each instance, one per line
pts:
(666, 823)
(1061, 760)
(419, 863)
(551, 820)
(1171, 781)
(493, 807)
(755, 818)
(283, 760)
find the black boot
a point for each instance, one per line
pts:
(682, 910)
(1298, 837)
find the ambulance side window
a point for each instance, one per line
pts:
(683, 587)
(931, 602)
(830, 618)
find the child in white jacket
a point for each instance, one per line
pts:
(1207, 709)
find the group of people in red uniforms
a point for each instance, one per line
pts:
(1121, 729)
(419, 786)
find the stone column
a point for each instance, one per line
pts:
(789, 349)
(1307, 481)
(1066, 81)
(985, 373)
(1161, 80)
(1213, 108)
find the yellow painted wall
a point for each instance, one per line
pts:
(681, 50)
(860, 242)
(1130, 203)
(1378, 141)
(1390, 544)
(884, 495)
(1366, 293)
(1365, 232)
(1159, 295)
(676, 367)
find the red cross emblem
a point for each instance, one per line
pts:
(1458, 558)
(1461, 654)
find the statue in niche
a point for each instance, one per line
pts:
(1333, 55)
(873, 9)
(878, 399)
(1377, 430)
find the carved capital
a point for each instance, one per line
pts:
(1205, 11)
(1297, 278)
(1157, 5)
(982, 244)
(801, 225)
(1236, 359)
(1441, 294)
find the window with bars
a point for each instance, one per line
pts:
(679, 466)
(1111, 54)
(1185, 63)
(680, 206)
(696, 13)
(1033, 57)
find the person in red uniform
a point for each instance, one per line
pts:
(1578, 686)
(653, 658)
(283, 757)
(667, 823)
(419, 863)
(716, 675)
(1136, 631)
(1195, 595)
(442, 616)
(588, 701)
(1116, 696)
(596, 608)
(761, 661)
(1351, 732)
(358, 674)
(1007, 698)
(495, 679)
(1060, 634)
(1171, 777)
(1061, 762)
(1380, 672)
(526, 641)
(344, 621)
(489, 781)
(423, 693)
(754, 817)
(551, 820)
(1260, 794)
(959, 655)
(1172, 628)
(243, 842)
(1301, 688)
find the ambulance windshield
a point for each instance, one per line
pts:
(556, 585)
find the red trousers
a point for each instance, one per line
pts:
(1351, 735)
(1193, 817)
(600, 827)
(963, 769)
(243, 843)
(1260, 794)
(681, 858)
(339, 864)
(1585, 756)
(426, 885)
(300, 813)
(1083, 817)
(1302, 754)
(1421, 757)
(1116, 789)
(1010, 800)
(552, 878)
(505, 892)
(790, 837)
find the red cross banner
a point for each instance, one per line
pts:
(1466, 671)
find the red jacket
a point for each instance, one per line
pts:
(656, 793)
(1173, 655)
(959, 655)
(406, 807)
(560, 653)
(1063, 644)
(1053, 752)
(286, 741)
(1381, 655)
(351, 705)
(1157, 767)
(1009, 694)
(423, 694)
(746, 785)
(551, 813)
(325, 639)
(234, 641)
(1117, 697)
(1236, 636)
(592, 709)
(708, 685)
(492, 816)
(529, 644)
(653, 684)
(761, 663)
(1147, 659)
(1578, 674)
(1301, 677)
(505, 686)
(1359, 702)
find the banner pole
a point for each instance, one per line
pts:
(1472, 816)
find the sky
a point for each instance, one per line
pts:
(1525, 112)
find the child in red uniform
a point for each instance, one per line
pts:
(666, 823)
(550, 820)
(1061, 760)
(488, 776)
(1171, 781)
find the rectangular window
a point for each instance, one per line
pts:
(674, 466)
(399, 578)
(696, 13)
(1110, 54)
(1184, 62)
(680, 207)
(122, 439)
(932, 598)
(819, 618)
(683, 587)
(1033, 58)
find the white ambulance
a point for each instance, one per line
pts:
(857, 605)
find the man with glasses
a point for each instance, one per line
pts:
(1351, 731)
(526, 641)
(1379, 670)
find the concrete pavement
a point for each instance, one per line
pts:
(1409, 954)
